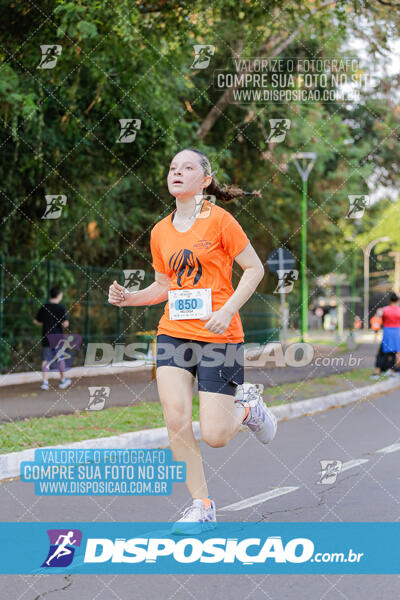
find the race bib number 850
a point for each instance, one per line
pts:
(189, 304)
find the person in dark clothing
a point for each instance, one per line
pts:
(52, 316)
(384, 363)
(388, 359)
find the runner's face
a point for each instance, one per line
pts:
(186, 177)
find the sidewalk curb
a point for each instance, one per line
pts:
(124, 366)
(316, 405)
(11, 379)
(158, 437)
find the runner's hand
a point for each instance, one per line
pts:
(219, 321)
(118, 295)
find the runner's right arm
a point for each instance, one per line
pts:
(154, 294)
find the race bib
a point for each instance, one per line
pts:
(189, 304)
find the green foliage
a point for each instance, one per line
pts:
(133, 60)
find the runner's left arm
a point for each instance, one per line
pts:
(253, 272)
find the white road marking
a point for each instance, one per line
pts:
(353, 463)
(389, 449)
(259, 498)
(253, 500)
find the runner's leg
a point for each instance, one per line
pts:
(175, 388)
(219, 374)
(220, 418)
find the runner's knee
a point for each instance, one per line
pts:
(177, 421)
(216, 437)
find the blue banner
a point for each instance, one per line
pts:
(232, 547)
(108, 472)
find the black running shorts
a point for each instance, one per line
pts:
(219, 367)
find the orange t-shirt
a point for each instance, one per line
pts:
(201, 257)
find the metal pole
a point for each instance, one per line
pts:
(87, 305)
(283, 319)
(303, 263)
(367, 252)
(337, 301)
(304, 170)
(353, 291)
(340, 321)
(1, 307)
(119, 318)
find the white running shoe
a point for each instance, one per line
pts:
(44, 386)
(260, 420)
(64, 383)
(196, 519)
(388, 373)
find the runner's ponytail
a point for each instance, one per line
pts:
(225, 193)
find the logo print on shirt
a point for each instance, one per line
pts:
(183, 259)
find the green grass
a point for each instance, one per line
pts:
(320, 386)
(83, 425)
(320, 342)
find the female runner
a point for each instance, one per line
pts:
(193, 251)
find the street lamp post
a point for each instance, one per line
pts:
(339, 304)
(353, 291)
(367, 253)
(357, 226)
(304, 168)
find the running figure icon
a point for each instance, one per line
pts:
(62, 549)
(286, 281)
(279, 129)
(62, 346)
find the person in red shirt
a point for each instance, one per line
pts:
(388, 359)
(200, 333)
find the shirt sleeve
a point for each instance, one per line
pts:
(384, 317)
(233, 237)
(158, 263)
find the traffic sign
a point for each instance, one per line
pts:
(280, 259)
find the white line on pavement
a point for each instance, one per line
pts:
(253, 500)
(388, 449)
(259, 498)
(353, 463)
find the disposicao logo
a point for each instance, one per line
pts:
(190, 550)
(62, 547)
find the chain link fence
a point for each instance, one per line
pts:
(25, 286)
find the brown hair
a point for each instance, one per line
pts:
(226, 193)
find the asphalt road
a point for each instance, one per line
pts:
(28, 400)
(368, 490)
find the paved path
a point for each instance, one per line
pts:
(368, 491)
(29, 400)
